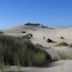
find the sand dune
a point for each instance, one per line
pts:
(59, 66)
(40, 36)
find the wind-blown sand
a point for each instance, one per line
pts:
(40, 36)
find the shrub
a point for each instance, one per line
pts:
(19, 51)
(50, 41)
(62, 37)
(32, 24)
(23, 31)
(28, 36)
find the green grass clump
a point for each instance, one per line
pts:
(28, 36)
(70, 45)
(63, 44)
(39, 58)
(20, 51)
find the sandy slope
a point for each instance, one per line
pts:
(40, 36)
(59, 66)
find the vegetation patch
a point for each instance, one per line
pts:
(50, 41)
(70, 45)
(23, 31)
(63, 44)
(62, 37)
(20, 51)
(28, 36)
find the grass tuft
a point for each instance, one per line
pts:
(63, 44)
(20, 51)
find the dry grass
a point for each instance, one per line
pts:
(63, 44)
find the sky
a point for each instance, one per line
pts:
(54, 13)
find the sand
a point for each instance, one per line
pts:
(40, 36)
(58, 66)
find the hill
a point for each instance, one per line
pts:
(56, 42)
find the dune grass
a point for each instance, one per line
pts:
(19, 51)
(63, 44)
(71, 45)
